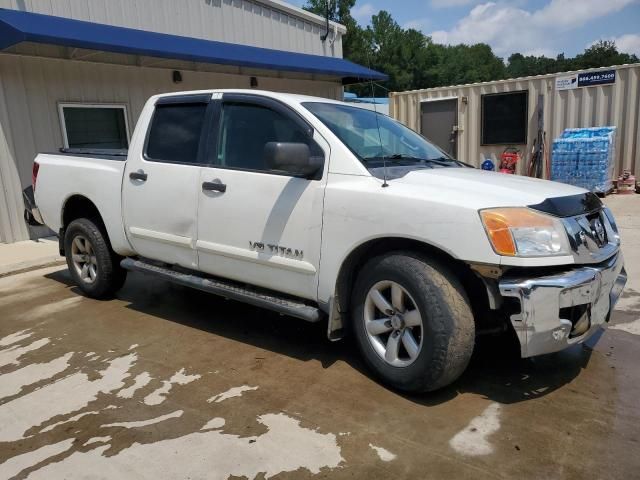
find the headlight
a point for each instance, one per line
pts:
(524, 233)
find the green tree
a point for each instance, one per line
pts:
(400, 53)
(413, 61)
(458, 64)
(603, 53)
(340, 11)
(520, 66)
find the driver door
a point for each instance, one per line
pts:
(260, 226)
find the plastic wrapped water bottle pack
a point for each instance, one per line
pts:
(585, 157)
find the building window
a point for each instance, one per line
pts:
(94, 126)
(504, 118)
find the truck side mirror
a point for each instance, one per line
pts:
(293, 158)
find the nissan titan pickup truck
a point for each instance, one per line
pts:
(328, 212)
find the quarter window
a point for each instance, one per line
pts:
(245, 129)
(174, 134)
(96, 127)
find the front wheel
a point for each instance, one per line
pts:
(94, 266)
(412, 322)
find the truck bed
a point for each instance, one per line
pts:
(95, 176)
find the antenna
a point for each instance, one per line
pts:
(375, 111)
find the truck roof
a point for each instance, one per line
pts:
(287, 97)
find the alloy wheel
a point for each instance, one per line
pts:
(84, 259)
(393, 323)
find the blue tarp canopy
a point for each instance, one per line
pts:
(17, 27)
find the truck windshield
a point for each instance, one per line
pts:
(375, 138)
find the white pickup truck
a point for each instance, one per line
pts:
(325, 211)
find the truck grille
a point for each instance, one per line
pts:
(592, 237)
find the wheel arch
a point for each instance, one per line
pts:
(361, 254)
(79, 206)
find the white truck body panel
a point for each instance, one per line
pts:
(160, 217)
(242, 232)
(98, 180)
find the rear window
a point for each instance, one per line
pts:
(174, 134)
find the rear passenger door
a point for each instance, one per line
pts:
(160, 186)
(256, 225)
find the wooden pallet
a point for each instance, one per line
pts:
(604, 194)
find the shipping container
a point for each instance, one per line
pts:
(478, 121)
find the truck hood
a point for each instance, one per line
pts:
(482, 189)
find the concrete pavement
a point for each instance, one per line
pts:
(24, 256)
(166, 382)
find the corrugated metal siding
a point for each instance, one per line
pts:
(617, 104)
(31, 88)
(258, 23)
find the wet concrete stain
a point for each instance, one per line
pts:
(474, 438)
(231, 393)
(569, 415)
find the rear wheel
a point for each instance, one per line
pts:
(94, 266)
(412, 322)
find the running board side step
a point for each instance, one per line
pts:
(227, 289)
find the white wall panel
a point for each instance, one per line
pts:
(248, 22)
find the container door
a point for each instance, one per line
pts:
(439, 123)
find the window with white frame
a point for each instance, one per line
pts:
(94, 126)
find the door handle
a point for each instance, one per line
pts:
(214, 187)
(138, 176)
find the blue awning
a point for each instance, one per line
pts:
(17, 27)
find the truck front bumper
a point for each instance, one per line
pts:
(562, 309)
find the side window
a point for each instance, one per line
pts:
(245, 129)
(174, 133)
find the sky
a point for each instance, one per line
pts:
(531, 27)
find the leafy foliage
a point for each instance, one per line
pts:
(413, 61)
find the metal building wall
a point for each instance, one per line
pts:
(32, 87)
(260, 23)
(615, 104)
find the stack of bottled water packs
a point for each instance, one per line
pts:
(585, 157)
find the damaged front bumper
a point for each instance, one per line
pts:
(562, 309)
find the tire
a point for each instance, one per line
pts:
(103, 275)
(445, 337)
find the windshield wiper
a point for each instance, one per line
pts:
(444, 161)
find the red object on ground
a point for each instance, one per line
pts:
(509, 160)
